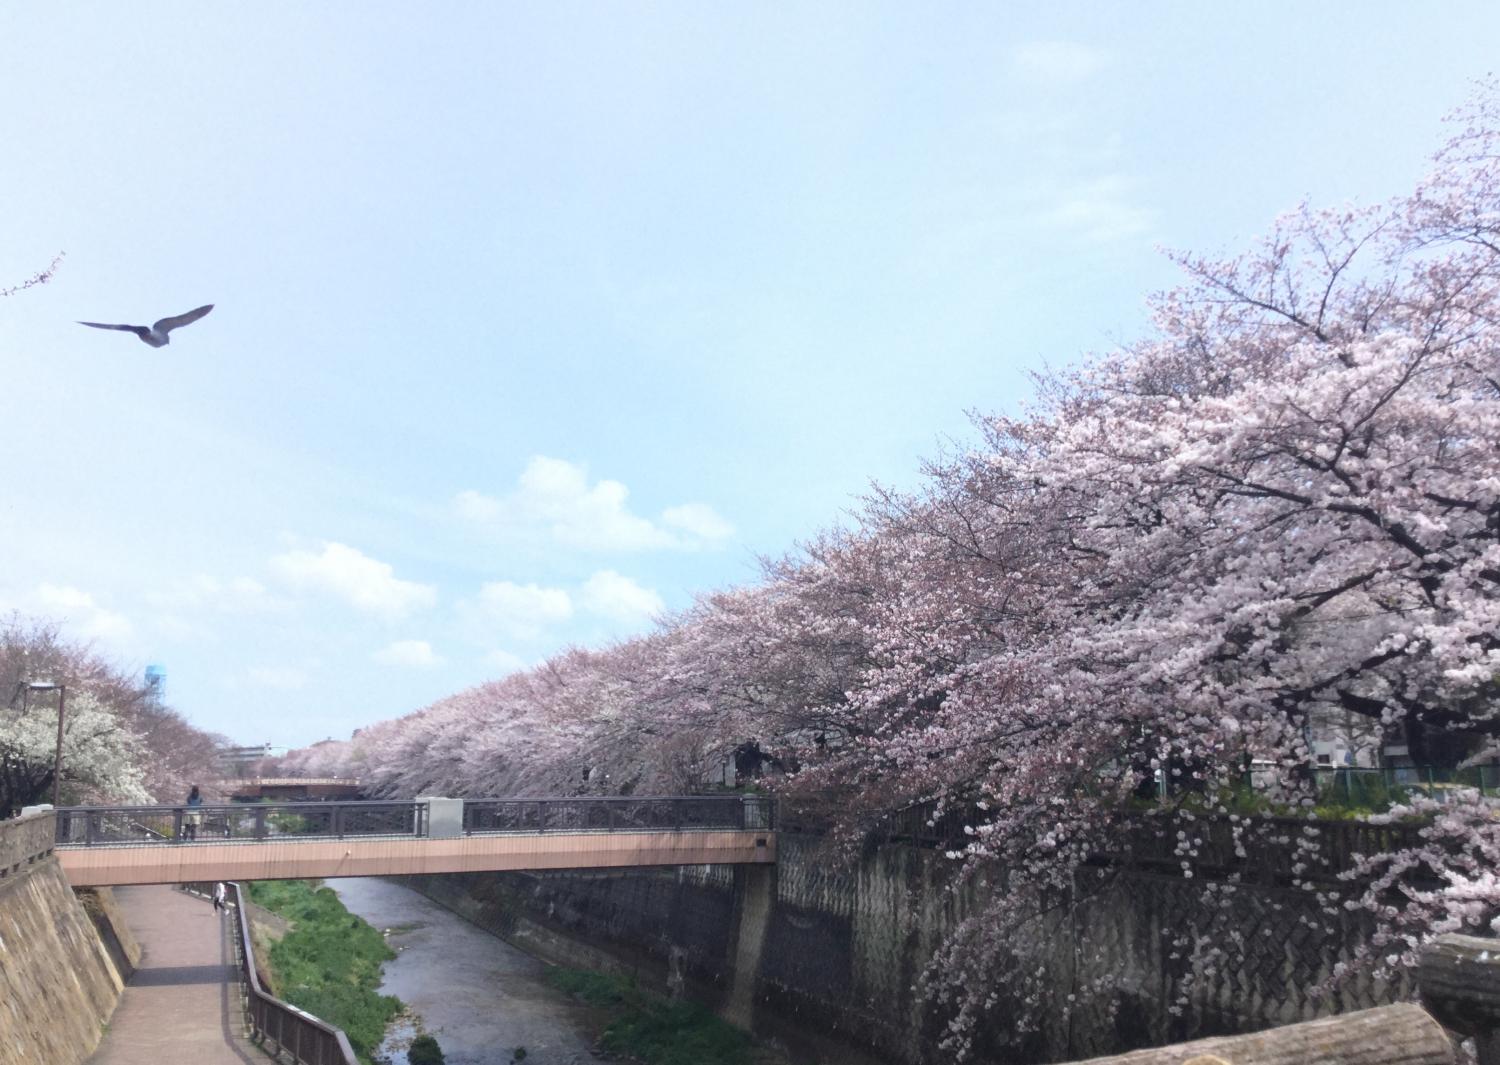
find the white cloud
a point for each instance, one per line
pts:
(554, 497)
(1056, 62)
(239, 595)
(364, 582)
(617, 597)
(414, 654)
(284, 678)
(1098, 210)
(518, 610)
(477, 507)
(698, 520)
(80, 612)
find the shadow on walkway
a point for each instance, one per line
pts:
(169, 975)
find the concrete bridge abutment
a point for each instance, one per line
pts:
(754, 899)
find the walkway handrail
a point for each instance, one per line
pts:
(308, 1040)
(174, 825)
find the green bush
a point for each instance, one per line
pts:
(1360, 791)
(329, 964)
(651, 1029)
(424, 1051)
(289, 824)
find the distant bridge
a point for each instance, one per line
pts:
(114, 845)
(291, 789)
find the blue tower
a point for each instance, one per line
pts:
(156, 683)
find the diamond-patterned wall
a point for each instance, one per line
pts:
(1151, 957)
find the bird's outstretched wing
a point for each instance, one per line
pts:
(138, 330)
(166, 325)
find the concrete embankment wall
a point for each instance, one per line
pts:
(837, 952)
(58, 983)
(843, 947)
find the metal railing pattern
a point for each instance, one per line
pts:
(116, 826)
(297, 1034)
(1380, 786)
(688, 813)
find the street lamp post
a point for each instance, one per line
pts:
(27, 687)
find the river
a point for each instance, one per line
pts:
(481, 997)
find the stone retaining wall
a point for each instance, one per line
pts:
(58, 985)
(844, 947)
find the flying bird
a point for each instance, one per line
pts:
(156, 335)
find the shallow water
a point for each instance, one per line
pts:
(480, 997)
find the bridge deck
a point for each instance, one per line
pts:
(286, 858)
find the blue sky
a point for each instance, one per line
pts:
(535, 319)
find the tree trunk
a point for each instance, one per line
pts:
(1391, 1035)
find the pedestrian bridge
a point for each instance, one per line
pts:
(100, 846)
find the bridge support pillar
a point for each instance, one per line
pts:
(754, 898)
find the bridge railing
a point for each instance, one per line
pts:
(117, 826)
(610, 814)
(298, 1035)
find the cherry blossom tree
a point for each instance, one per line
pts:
(175, 753)
(1285, 502)
(41, 277)
(1282, 504)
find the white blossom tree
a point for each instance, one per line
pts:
(102, 760)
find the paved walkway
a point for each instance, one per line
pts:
(182, 1003)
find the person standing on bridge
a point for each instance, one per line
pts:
(218, 896)
(193, 817)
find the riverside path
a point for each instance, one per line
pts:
(182, 1004)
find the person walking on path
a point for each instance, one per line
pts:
(218, 896)
(193, 817)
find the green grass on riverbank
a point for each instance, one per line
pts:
(329, 962)
(653, 1029)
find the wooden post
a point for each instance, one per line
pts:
(1459, 978)
(1403, 1034)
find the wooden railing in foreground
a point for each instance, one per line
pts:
(299, 1037)
(1459, 979)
